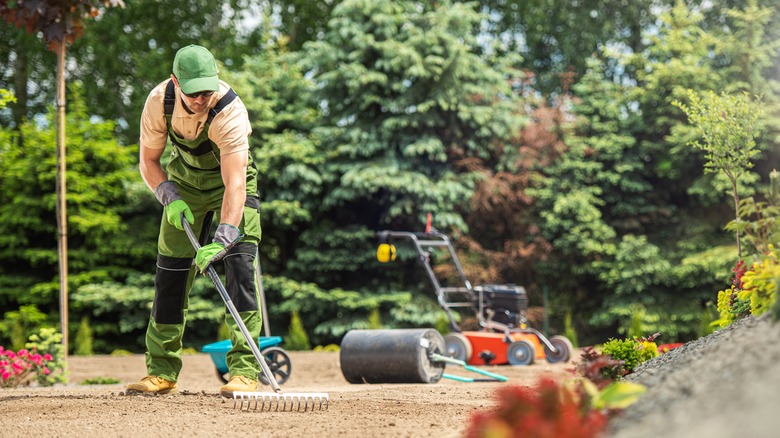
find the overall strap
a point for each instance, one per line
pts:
(223, 102)
(170, 98)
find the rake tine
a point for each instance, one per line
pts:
(264, 401)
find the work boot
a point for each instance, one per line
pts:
(238, 383)
(152, 385)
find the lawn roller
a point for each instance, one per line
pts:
(504, 335)
(261, 400)
(401, 356)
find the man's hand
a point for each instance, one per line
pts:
(226, 236)
(174, 210)
(168, 195)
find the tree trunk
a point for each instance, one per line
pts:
(62, 222)
(21, 73)
(736, 216)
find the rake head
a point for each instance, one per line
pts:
(271, 401)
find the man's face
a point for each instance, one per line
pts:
(197, 102)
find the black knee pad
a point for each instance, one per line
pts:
(240, 276)
(170, 289)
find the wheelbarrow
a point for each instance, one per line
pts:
(276, 357)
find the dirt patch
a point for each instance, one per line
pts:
(421, 410)
(722, 385)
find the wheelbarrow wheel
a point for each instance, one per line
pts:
(224, 377)
(521, 352)
(563, 350)
(279, 363)
(457, 346)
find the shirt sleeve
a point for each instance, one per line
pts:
(154, 128)
(230, 129)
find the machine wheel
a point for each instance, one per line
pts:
(521, 352)
(563, 350)
(457, 346)
(224, 377)
(279, 363)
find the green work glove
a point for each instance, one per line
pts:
(226, 236)
(168, 195)
(173, 213)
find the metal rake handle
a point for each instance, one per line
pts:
(233, 311)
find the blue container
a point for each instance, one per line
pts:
(218, 350)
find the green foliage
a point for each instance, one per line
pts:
(82, 343)
(329, 347)
(374, 320)
(333, 312)
(17, 323)
(147, 47)
(555, 37)
(728, 127)
(100, 381)
(49, 341)
(121, 311)
(569, 331)
(760, 284)
(406, 93)
(394, 110)
(223, 332)
(632, 351)
(104, 210)
(707, 320)
(296, 339)
(615, 396)
(757, 222)
(6, 97)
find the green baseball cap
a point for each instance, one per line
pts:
(195, 69)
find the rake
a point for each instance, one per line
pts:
(261, 400)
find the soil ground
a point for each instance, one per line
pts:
(720, 386)
(439, 409)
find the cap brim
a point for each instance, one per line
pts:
(190, 86)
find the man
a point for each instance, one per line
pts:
(210, 174)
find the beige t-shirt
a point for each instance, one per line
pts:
(229, 130)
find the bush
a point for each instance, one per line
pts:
(40, 362)
(631, 351)
(49, 340)
(760, 284)
(22, 367)
(100, 381)
(753, 291)
(549, 410)
(297, 339)
(83, 341)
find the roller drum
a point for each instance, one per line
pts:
(391, 356)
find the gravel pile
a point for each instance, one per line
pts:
(726, 384)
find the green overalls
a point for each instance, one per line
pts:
(195, 170)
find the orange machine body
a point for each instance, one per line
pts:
(484, 343)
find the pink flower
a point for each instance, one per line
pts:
(10, 354)
(46, 370)
(6, 375)
(47, 356)
(23, 352)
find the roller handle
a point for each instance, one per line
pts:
(232, 309)
(451, 360)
